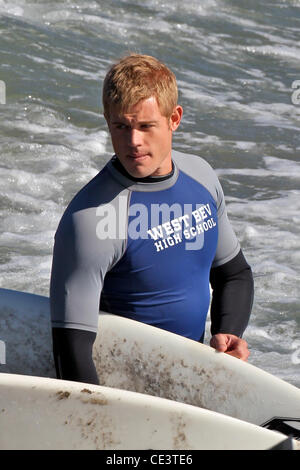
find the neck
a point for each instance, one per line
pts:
(148, 179)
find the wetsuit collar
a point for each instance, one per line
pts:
(150, 183)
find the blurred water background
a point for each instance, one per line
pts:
(235, 62)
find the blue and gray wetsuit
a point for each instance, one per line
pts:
(148, 250)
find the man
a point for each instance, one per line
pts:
(146, 236)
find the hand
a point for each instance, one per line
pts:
(230, 344)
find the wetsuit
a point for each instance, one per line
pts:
(146, 250)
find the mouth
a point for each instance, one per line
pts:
(138, 156)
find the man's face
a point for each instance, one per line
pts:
(142, 138)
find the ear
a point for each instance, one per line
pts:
(107, 121)
(175, 118)
(106, 117)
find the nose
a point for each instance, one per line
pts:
(135, 138)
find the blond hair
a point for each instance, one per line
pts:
(137, 77)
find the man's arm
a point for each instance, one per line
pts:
(72, 351)
(74, 302)
(82, 255)
(233, 290)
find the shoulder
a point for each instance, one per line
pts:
(199, 170)
(92, 193)
(81, 212)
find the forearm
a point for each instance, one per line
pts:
(232, 300)
(72, 350)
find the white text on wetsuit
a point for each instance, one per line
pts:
(173, 232)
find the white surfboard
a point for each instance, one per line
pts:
(41, 413)
(140, 358)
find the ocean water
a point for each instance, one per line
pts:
(236, 63)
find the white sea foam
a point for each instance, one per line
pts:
(237, 102)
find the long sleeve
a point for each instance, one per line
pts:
(233, 292)
(72, 351)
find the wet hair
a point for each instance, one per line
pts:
(137, 77)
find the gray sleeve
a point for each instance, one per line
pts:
(228, 244)
(81, 258)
